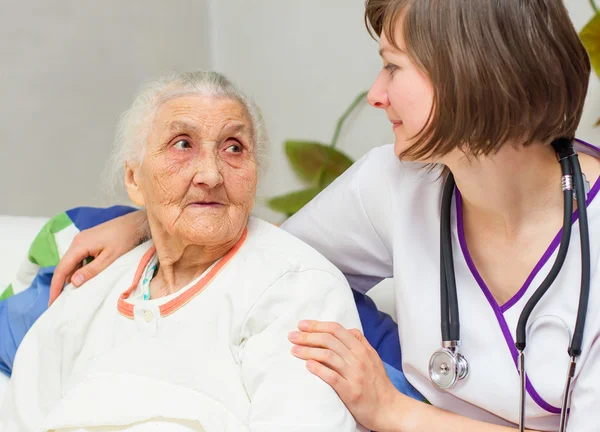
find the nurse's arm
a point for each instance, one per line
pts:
(350, 222)
(284, 395)
(105, 242)
(426, 418)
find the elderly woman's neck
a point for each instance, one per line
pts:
(180, 264)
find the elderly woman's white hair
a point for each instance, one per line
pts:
(134, 125)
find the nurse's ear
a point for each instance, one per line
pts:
(132, 184)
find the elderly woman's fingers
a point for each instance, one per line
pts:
(323, 356)
(335, 329)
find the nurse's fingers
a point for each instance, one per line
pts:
(362, 339)
(68, 264)
(341, 386)
(324, 356)
(333, 328)
(322, 340)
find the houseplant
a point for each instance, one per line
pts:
(316, 164)
(590, 36)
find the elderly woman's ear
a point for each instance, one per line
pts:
(131, 184)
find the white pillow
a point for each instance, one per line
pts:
(16, 235)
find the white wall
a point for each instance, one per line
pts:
(69, 68)
(304, 62)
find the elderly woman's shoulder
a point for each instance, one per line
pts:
(285, 252)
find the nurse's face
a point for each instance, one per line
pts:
(403, 91)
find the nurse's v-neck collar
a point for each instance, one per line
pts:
(499, 310)
(126, 308)
(545, 257)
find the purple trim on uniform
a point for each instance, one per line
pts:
(587, 144)
(541, 263)
(492, 301)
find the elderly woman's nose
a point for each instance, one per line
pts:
(208, 171)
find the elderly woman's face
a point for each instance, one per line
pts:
(199, 173)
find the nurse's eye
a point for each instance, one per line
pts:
(182, 144)
(391, 68)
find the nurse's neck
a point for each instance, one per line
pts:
(510, 189)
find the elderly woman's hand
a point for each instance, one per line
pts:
(347, 362)
(105, 242)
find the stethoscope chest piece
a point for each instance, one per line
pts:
(446, 367)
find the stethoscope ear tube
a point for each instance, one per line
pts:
(584, 235)
(558, 263)
(450, 322)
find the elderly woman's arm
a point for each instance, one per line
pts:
(285, 396)
(35, 384)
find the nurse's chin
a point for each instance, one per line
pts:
(400, 146)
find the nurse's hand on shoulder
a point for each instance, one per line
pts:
(105, 242)
(348, 363)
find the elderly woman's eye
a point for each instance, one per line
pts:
(234, 148)
(182, 144)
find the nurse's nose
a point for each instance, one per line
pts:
(377, 96)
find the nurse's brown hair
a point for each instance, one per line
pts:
(502, 70)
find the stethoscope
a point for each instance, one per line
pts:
(447, 365)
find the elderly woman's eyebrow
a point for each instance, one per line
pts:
(179, 126)
(235, 129)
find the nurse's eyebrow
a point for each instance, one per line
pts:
(382, 51)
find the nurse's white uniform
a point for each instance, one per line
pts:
(214, 357)
(381, 219)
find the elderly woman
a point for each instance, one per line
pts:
(189, 331)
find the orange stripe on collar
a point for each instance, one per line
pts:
(126, 308)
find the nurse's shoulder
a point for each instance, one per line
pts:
(393, 191)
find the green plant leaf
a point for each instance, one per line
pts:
(590, 36)
(307, 159)
(292, 202)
